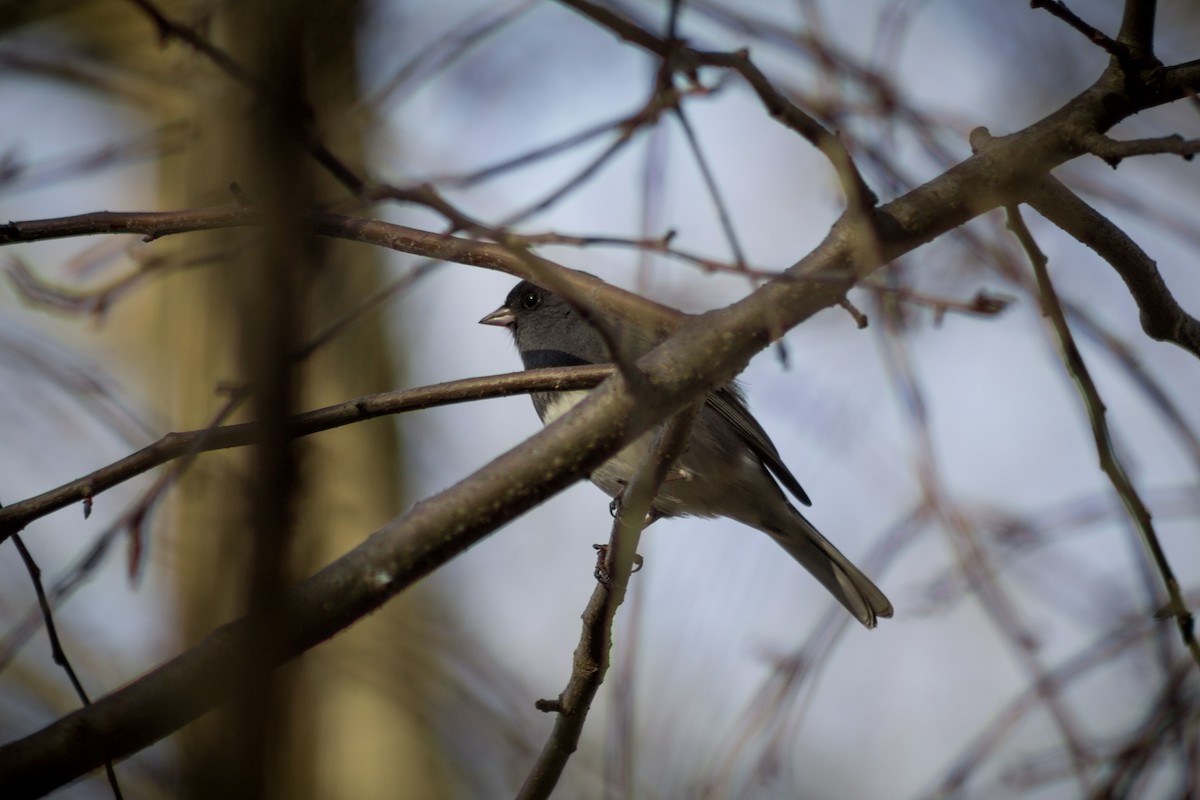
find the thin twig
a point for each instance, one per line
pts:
(1113, 151)
(531, 157)
(1172, 713)
(174, 445)
(367, 305)
(1186, 439)
(621, 26)
(454, 45)
(777, 709)
(1121, 636)
(56, 649)
(304, 134)
(1057, 8)
(98, 301)
(975, 562)
(859, 196)
(508, 256)
(591, 660)
(167, 139)
(1161, 315)
(134, 519)
(1110, 463)
(627, 129)
(714, 191)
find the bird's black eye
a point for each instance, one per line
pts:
(530, 300)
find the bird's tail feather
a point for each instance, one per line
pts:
(846, 582)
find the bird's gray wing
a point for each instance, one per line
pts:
(729, 403)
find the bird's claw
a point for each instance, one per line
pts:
(602, 573)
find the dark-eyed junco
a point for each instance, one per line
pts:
(730, 467)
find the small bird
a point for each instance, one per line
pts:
(729, 461)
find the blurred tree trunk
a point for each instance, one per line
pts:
(357, 724)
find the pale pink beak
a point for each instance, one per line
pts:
(502, 317)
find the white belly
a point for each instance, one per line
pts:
(561, 404)
(613, 475)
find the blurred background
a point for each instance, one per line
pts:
(946, 451)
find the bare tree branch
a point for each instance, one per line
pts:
(858, 195)
(1122, 635)
(305, 134)
(591, 660)
(56, 649)
(1137, 28)
(1179, 81)
(132, 522)
(16, 516)
(1113, 151)
(975, 563)
(1176, 607)
(509, 257)
(1117, 49)
(1161, 315)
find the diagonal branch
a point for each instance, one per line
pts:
(1176, 607)
(56, 649)
(621, 26)
(1117, 49)
(591, 661)
(1161, 315)
(858, 194)
(305, 133)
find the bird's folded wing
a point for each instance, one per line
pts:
(728, 402)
